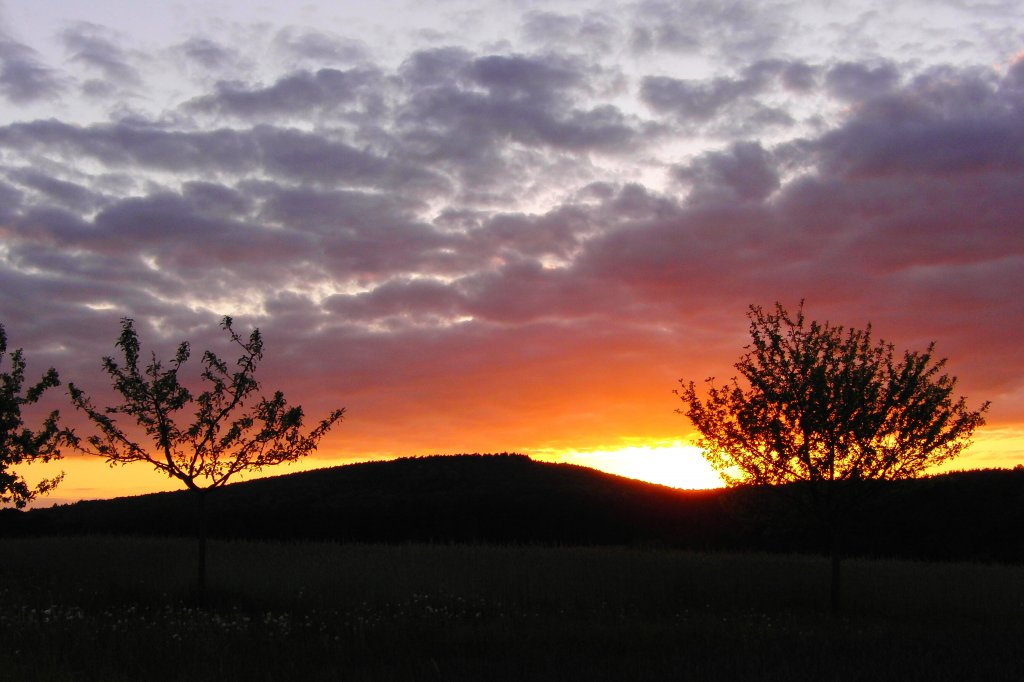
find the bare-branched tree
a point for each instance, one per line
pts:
(229, 428)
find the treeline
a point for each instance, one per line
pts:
(976, 515)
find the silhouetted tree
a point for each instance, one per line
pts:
(231, 429)
(827, 410)
(21, 445)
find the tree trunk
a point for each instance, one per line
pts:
(201, 535)
(836, 558)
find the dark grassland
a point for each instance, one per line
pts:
(118, 608)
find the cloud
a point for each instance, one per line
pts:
(943, 123)
(97, 49)
(743, 172)
(71, 195)
(529, 99)
(206, 53)
(596, 32)
(726, 105)
(23, 76)
(853, 81)
(301, 93)
(733, 31)
(319, 46)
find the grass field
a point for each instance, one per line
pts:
(110, 608)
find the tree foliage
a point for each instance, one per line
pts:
(18, 443)
(828, 409)
(820, 403)
(231, 429)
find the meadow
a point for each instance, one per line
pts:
(120, 608)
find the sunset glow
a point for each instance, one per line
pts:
(672, 464)
(509, 227)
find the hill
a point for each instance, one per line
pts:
(512, 499)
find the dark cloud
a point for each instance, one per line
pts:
(23, 76)
(291, 153)
(365, 236)
(401, 301)
(515, 76)
(72, 195)
(556, 233)
(743, 172)
(528, 100)
(730, 104)
(10, 202)
(122, 145)
(303, 93)
(853, 82)
(215, 199)
(799, 76)
(945, 123)
(524, 291)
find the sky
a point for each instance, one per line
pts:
(507, 225)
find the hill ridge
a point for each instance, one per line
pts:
(511, 498)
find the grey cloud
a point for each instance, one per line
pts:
(794, 75)
(10, 201)
(696, 100)
(291, 153)
(736, 30)
(434, 67)
(23, 77)
(319, 46)
(72, 195)
(300, 93)
(91, 45)
(511, 76)
(853, 81)
(359, 235)
(524, 292)
(744, 171)
(206, 52)
(556, 233)
(401, 300)
(122, 144)
(160, 250)
(214, 199)
(528, 99)
(312, 158)
(169, 221)
(946, 123)
(52, 226)
(799, 76)
(594, 31)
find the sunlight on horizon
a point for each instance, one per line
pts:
(671, 463)
(674, 464)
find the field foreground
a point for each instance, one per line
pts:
(118, 608)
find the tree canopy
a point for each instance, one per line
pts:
(818, 402)
(231, 428)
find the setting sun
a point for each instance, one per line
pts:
(673, 464)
